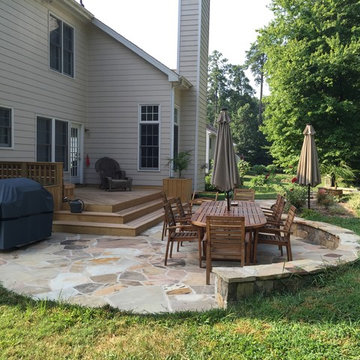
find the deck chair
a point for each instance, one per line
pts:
(225, 240)
(279, 236)
(111, 176)
(178, 233)
(244, 194)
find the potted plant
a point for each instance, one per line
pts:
(179, 187)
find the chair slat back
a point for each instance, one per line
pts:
(290, 218)
(180, 207)
(278, 208)
(244, 194)
(226, 237)
(169, 215)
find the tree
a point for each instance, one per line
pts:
(255, 60)
(313, 70)
(217, 84)
(251, 144)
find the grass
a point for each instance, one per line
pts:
(320, 322)
(352, 223)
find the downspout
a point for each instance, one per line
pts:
(172, 105)
(196, 162)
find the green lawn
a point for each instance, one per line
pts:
(352, 223)
(321, 322)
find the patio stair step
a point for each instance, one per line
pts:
(133, 228)
(120, 217)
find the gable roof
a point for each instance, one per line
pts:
(175, 78)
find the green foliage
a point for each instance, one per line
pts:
(259, 170)
(181, 161)
(243, 168)
(208, 185)
(295, 195)
(272, 168)
(313, 70)
(257, 181)
(250, 142)
(338, 173)
(354, 202)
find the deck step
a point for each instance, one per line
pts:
(120, 217)
(132, 228)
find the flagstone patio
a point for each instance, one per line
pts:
(128, 273)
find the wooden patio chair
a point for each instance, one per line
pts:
(279, 236)
(195, 200)
(244, 194)
(225, 240)
(111, 176)
(273, 215)
(179, 233)
(182, 218)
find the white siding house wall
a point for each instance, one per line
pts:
(192, 63)
(119, 82)
(27, 84)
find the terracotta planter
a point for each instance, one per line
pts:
(174, 187)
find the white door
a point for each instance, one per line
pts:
(75, 153)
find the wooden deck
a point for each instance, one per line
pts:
(119, 213)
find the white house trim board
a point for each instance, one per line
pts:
(172, 76)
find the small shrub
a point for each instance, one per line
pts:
(243, 167)
(354, 202)
(272, 168)
(296, 195)
(324, 199)
(259, 170)
(257, 181)
(208, 185)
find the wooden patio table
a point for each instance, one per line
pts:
(254, 216)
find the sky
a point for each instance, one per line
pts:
(152, 25)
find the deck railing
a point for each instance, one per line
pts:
(48, 174)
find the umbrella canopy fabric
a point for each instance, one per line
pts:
(308, 171)
(225, 173)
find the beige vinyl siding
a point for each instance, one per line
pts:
(119, 82)
(193, 41)
(203, 73)
(26, 82)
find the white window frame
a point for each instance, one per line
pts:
(140, 122)
(53, 127)
(62, 46)
(11, 128)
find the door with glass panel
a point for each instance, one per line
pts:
(75, 153)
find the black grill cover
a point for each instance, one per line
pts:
(26, 211)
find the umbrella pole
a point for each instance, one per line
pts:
(309, 196)
(228, 200)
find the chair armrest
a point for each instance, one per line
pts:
(271, 230)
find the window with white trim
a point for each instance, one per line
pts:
(149, 137)
(52, 141)
(5, 127)
(61, 46)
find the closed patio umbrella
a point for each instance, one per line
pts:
(225, 173)
(308, 171)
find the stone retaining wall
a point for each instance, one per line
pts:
(235, 283)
